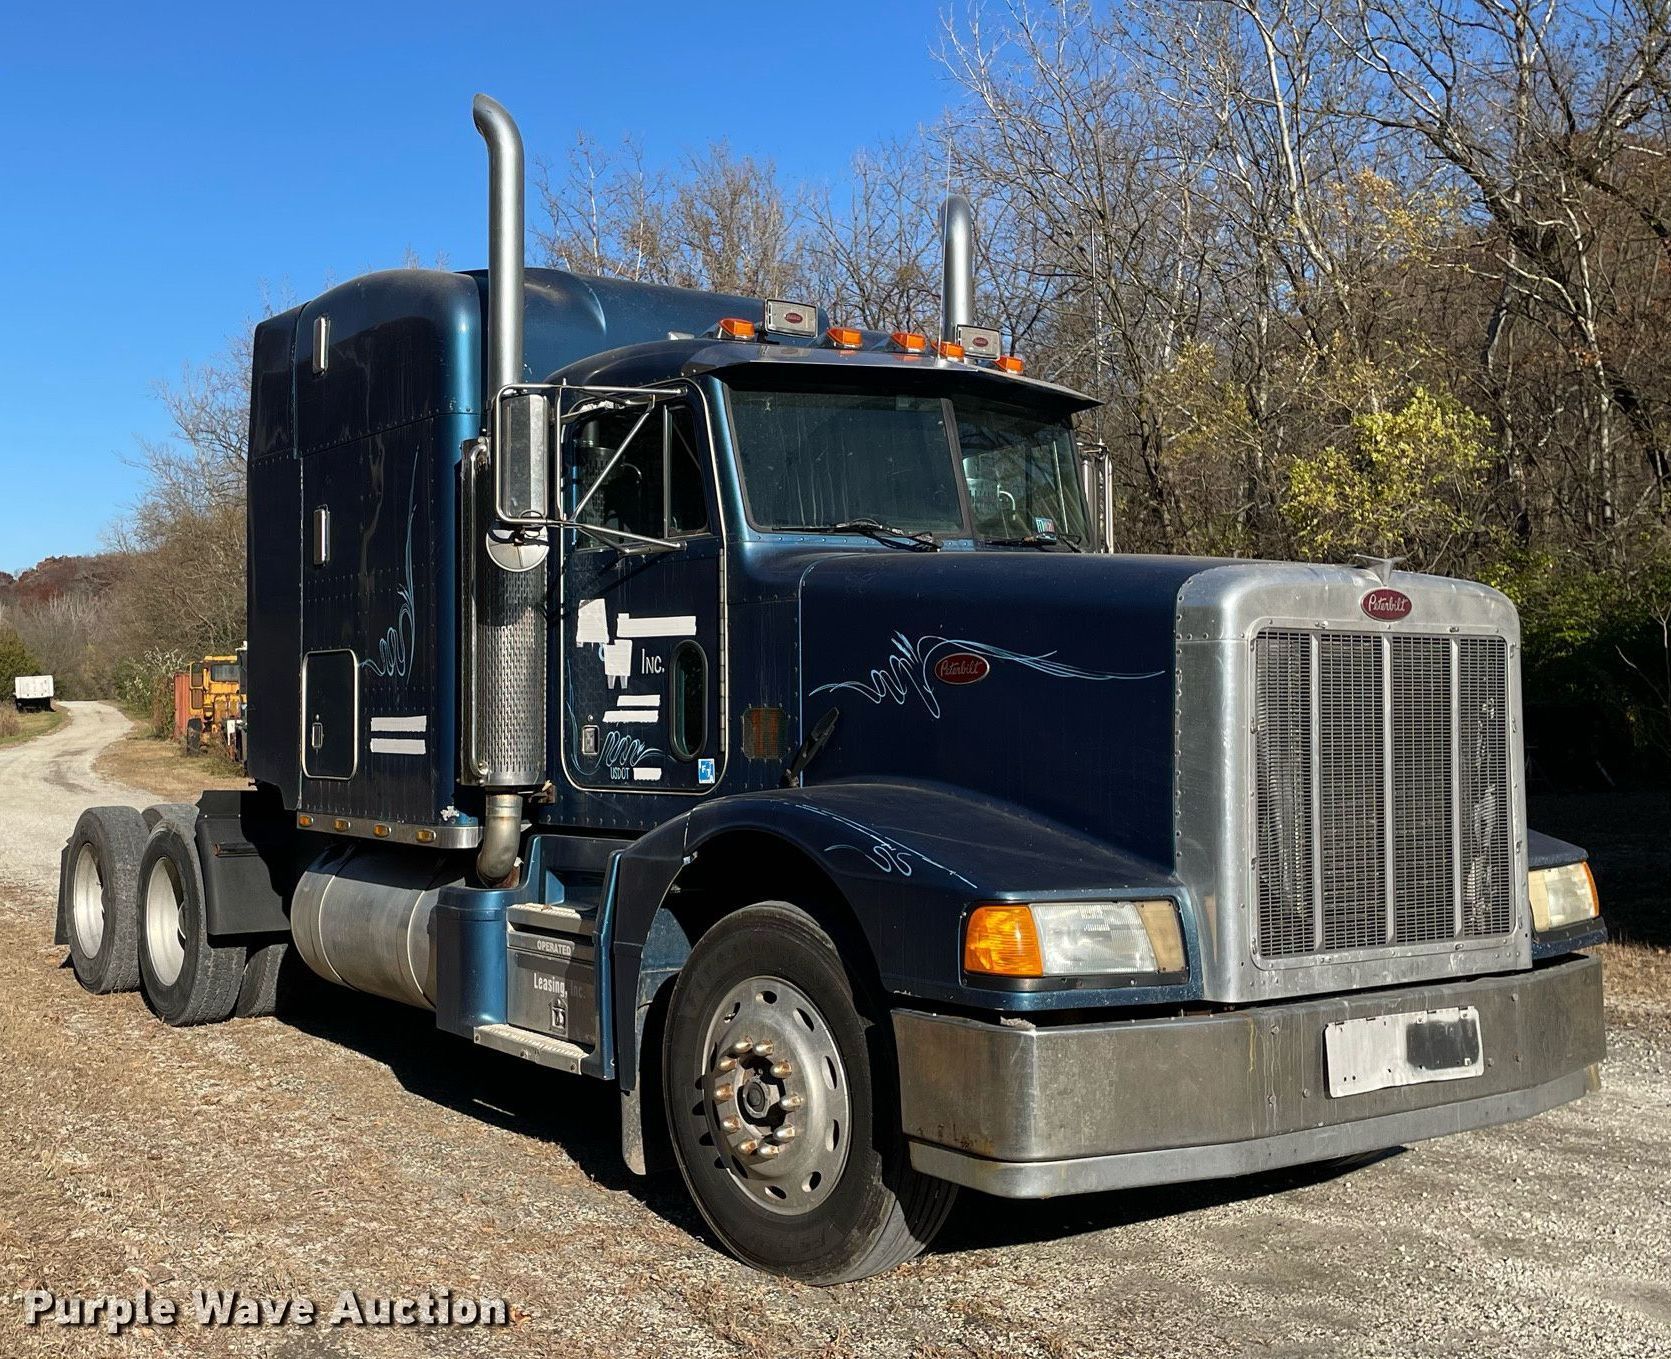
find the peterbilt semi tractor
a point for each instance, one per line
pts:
(698, 694)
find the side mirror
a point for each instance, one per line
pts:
(522, 457)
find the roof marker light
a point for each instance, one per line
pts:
(909, 342)
(1011, 363)
(845, 337)
(947, 350)
(735, 328)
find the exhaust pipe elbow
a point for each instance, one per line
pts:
(505, 191)
(957, 285)
(501, 837)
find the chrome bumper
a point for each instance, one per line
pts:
(1028, 1112)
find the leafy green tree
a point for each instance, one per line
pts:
(1405, 482)
(15, 660)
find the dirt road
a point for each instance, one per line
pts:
(346, 1145)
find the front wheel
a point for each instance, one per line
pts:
(781, 1100)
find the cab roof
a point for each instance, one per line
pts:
(773, 364)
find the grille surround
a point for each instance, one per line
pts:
(1383, 812)
(1220, 609)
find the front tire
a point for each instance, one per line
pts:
(186, 978)
(778, 1077)
(98, 889)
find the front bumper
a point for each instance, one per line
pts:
(1025, 1111)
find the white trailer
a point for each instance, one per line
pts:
(32, 693)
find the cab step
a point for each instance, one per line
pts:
(531, 1047)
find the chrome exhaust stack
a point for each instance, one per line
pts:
(957, 285)
(505, 177)
(504, 566)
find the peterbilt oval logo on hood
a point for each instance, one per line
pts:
(962, 667)
(1386, 605)
(794, 318)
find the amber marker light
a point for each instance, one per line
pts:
(303, 820)
(1010, 363)
(845, 337)
(947, 349)
(1001, 941)
(909, 342)
(735, 328)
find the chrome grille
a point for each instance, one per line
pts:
(1376, 757)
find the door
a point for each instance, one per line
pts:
(642, 657)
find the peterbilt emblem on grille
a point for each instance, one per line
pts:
(962, 667)
(794, 318)
(1386, 605)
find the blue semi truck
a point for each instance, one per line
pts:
(682, 691)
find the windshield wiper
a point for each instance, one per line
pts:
(885, 533)
(1043, 541)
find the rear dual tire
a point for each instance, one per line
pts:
(97, 889)
(187, 978)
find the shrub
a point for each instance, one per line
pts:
(145, 688)
(15, 659)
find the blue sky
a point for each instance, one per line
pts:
(160, 175)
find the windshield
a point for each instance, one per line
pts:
(811, 461)
(1023, 474)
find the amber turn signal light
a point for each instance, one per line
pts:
(1002, 941)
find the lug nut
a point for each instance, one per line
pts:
(770, 1150)
(725, 1064)
(763, 1049)
(782, 1069)
(742, 1047)
(784, 1134)
(730, 1125)
(791, 1102)
(749, 1147)
(722, 1093)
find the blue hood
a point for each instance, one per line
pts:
(1043, 679)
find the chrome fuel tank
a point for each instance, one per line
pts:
(360, 918)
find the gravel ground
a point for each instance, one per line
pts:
(345, 1144)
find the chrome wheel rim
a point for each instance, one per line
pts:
(165, 933)
(87, 901)
(775, 1096)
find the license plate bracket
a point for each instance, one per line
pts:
(1380, 1052)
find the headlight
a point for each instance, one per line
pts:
(1074, 938)
(1562, 896)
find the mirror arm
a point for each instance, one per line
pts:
(601, 530)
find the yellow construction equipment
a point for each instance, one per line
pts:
(209, 703)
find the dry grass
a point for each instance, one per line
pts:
(161, 767)
(26, 726)
(1637, 987)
